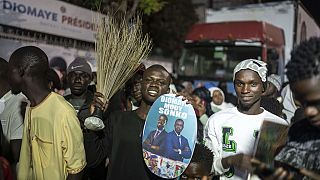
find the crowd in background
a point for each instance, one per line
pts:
(44, 105)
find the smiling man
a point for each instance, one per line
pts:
(177, 146)
(122, 140)
(155, 142)
(231, 133)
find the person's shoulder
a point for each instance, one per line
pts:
(171, 133)
(274, 118)
(224, 112)
(67, 97)
(59, 101)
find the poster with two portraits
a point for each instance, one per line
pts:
(169, 136)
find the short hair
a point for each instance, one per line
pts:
(178, 120)
(59, 63)
(165, 116)
(202, 155)
(54, 78)
(31, 60)
(159, 67)
(3, 69)
(305, 61)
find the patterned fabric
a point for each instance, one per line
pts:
(275, 80)
(301, 155)
(303, 147)
(255, 65)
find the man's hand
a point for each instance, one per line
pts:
(279, 174)
(186, 98)
(267, 173)
(155, 147)
(239, 161)
(177, 150)
(98, 102)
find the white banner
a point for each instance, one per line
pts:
(49, 16)
(68, 54)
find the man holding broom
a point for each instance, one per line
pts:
(122, 135)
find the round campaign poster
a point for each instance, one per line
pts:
(169, 136)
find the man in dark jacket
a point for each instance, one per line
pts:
(122, 141)
(79, 76)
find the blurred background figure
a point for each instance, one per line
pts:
(53, 81)
(201, 103)
(59, 65)
(290, 105)
(12, 109)
(273, 87)
(229, 97)
(132, 90)
(218, 100)
(272, 105)
(5, 170)
(188, 87)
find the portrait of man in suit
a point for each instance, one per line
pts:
(177, 146)
(155, 142)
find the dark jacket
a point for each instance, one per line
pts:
(93, 170)
(172, 144)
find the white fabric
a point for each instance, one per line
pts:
(2, 105)
(11, 119)
(243, 129)
(275, 80)
(215, 107)
(203, 119)
(289, 106)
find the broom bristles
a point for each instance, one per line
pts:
(120, 48)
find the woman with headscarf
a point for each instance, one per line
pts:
(218, 100)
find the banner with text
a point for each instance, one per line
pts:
(48, 16)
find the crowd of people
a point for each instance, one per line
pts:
(44, 106)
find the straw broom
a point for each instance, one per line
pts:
(120, 48)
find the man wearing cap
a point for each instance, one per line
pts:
(79, 76)
(231, 133)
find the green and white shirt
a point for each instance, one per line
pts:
(229, 132)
